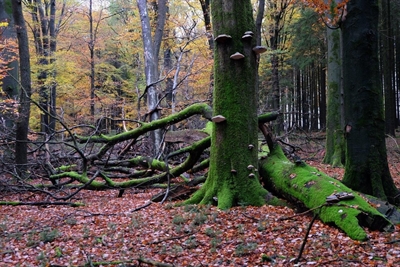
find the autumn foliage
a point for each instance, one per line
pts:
(330, 11)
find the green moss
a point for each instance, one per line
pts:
(10, 203)
(7, 6)
(311, 188)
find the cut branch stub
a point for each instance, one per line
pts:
(259, 49)
(218, 119)
(223, 38)
(237, 56)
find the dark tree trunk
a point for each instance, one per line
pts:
(205, 7)
(304, 99)
(366, 161)
(387, 64)
(322, 96)
(91, 46)
(22, 123)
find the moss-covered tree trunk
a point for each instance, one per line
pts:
(366, 160)
(334, 129)
(233, 176)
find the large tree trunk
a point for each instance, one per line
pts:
(367, 168)
(233, 176)
(334, 129)
(22, 123)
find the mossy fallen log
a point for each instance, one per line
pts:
(193, 150)
(309, 187)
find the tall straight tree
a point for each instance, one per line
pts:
(335, 154)
(151, 45)
(45, 30)
(387, 58)
(366, 161)
(22, 123)
(233, 177)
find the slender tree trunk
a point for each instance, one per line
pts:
(151, 55)
(233, 176)
(387, 59)
(334, 154)
(322, 96)
(22, 123)
(45, 34)
(205, 6)
(53, 47)
(366, 161)
(91, 46)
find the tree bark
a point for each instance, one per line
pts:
(233, 177)
(22, 123)
(151, 55)
(387, 65)
(367, 168)
(335, 154)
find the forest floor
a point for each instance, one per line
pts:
(108, 232)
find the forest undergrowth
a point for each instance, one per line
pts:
(109, 231)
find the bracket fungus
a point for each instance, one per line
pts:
(223, 38)
(247, 37)
(251, 146)
(250, 167)
(249, 33)
(237, 56)
(218, 119)
(251, 175)
(259, 49)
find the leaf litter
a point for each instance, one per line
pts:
(107, 232)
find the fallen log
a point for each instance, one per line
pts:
(310, 188)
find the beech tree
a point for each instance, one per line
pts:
(367, 168)
(335, 154)
(22, 122)
(45, 29)
(151, 46)
(233, 177)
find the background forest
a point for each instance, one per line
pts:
(116, 94)
(91, 65)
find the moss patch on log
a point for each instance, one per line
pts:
(310, 187)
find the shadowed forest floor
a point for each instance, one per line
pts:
(107, 232)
